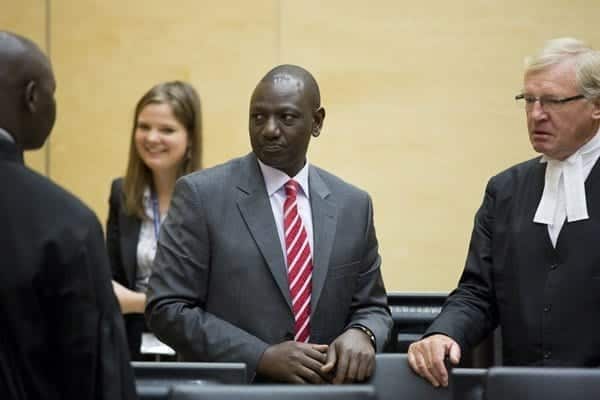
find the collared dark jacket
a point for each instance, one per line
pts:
(546, 299)
(122, 235)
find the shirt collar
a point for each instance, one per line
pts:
(276, 179)
(5, 135)
(566, 179)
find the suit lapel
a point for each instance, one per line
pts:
(535, 190)
(130, 231)
(526, 200)
(324, 217)
(592, 191)
(591, 186)
(255, 207)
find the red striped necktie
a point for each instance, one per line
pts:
(299, 262)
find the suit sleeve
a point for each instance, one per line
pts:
(179, 285)
(470, 313)
(113, 244)
(88, 332)
(369, 302)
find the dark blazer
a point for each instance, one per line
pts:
(122, 235)
(220, 289)
(546, 300)
(61, 333)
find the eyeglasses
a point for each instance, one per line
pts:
(547, 103)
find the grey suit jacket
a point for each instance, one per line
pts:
(219, 290)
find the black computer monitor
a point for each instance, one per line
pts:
(520, 383)
(272, 392)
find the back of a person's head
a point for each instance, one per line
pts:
(26, 91)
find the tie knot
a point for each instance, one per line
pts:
(291, 188)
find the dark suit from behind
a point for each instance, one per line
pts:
(546, 299)
(61, 333)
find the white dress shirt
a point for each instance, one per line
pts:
(146, 246)
(275, 181)
(564, 196)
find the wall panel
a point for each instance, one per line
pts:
(421, 112)
(419, 96)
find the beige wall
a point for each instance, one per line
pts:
(419, 96)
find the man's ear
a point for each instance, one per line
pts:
(318, 117)
(31, 96)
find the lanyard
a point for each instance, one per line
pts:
(155, 214)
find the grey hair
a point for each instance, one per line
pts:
(586, 61)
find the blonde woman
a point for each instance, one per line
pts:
(165, 144)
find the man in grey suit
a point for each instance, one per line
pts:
(222, 289)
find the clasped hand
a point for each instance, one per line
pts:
(350, 358)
